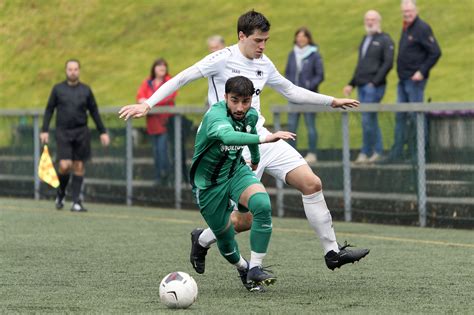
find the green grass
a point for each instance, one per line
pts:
(118, 40)
(112, 259)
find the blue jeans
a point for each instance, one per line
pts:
(160, 154)
(408, 91)
(310, 121)
(371, 135)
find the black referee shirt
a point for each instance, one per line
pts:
(72, 103)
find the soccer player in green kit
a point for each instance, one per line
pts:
(219, 173)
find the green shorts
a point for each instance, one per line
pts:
(214, 202)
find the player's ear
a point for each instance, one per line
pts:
(242, 35)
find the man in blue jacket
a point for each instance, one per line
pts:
(418, 53)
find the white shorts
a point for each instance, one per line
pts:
(276, 159)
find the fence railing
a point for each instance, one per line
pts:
(281, 192)
(419, 108)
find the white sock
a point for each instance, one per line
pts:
(256, 259)
(241, 264)
(207, 238)
(320, 220)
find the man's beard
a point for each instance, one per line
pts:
(371, 30)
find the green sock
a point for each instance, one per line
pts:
(261, 231)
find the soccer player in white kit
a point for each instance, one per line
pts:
(278, 159)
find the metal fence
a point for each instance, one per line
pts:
(122, 173)
(421, 110)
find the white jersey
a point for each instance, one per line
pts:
(229, 62)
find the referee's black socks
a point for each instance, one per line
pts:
(63, 181)
(76, 187)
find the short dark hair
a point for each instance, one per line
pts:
(251, 21)
(239, 85)
(72, 60)
(158, 62)
(307, 34)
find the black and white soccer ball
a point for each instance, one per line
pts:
(178, 290)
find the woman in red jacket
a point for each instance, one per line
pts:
(156, 123)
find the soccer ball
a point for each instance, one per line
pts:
(178, 290)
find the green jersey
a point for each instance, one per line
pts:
(219, 143)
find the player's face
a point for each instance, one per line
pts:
(409, 12)
(72, 71)
(238, 105)
(254, 45)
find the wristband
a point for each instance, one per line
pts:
(262, 139)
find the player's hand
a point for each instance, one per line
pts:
(105, 139)
(252, 166)
(44, 137)
(283, 135)
(134, 111)
(344, 103)
(347, 90)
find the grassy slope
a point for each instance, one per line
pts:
(117, 43)
(113, 258)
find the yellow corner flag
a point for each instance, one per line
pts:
(46, 170)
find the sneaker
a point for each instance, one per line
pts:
(59, 202)
(362, 158)
(259, 276)
(198, 252)
(345, 256)
(311, 158)
(375, 158)
(249, 285)
(77, 207)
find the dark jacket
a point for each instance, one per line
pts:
(418, 50)
(312, 72)
(72, 104)
(377, 62)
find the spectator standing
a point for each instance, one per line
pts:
(72, 99)
(418, 52)
(374, 63)
(215, 43)
(156, 124)
(304, 68)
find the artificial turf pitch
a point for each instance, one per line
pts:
(112, 259)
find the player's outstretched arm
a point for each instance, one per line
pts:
(181, 79)
(299, 95)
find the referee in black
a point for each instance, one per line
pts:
(72, 99)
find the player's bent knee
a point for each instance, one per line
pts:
(260, 206)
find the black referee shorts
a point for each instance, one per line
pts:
(73, 144)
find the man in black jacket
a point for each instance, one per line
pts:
(374, 63)
(418, 53)
(72, 99)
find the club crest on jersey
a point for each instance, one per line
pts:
(248, 129)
